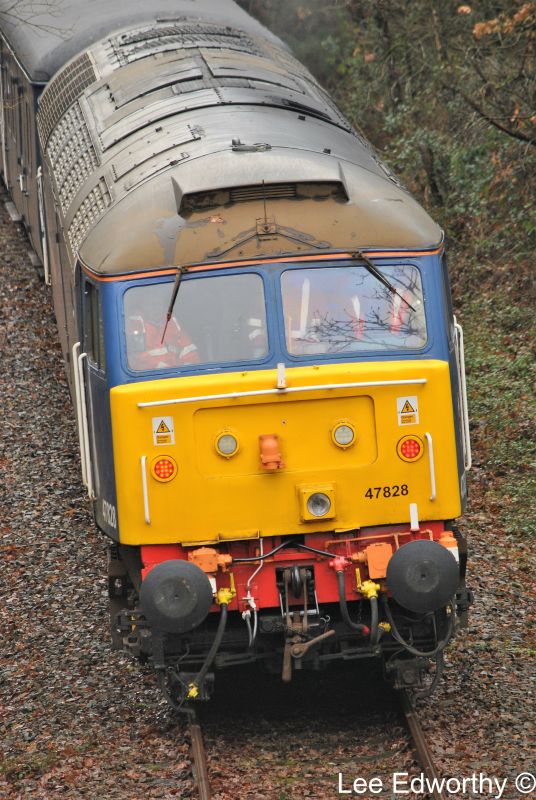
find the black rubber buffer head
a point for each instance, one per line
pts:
(422, 576)
(176, 596)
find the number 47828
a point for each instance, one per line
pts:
(375, 492)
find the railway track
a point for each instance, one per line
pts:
(198, 755)
(418, 744)
(14, 244)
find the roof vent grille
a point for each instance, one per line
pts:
(278, 191)
(306, 190)
(144, 42)
(62, 92)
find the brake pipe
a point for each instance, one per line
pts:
(355, 626)
(440, 665)
(195, 685)
(370, 590)
(407, 646)
(374, 628)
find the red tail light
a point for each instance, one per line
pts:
(164, 468)
(410, 448)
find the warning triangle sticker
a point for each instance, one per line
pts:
(163, 428)
(408, 408)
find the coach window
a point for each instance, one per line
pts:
(20, 125)
(5, 93)
(11, 91)
(93, 326)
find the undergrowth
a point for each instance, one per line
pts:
(476, 181)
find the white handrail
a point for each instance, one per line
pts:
(293, 389)
(145, 490)
(431, 465)
(414, 517)
(76, 377)
(281, 376)
(3, 130)
(42, 221)
(85, 426)
(466, 436)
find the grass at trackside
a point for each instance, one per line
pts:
(501, 372)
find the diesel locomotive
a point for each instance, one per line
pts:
(258, 334)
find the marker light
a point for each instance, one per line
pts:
(343, 434)
(226, 445)
(410, 448)
(318, 504)
(164, 468)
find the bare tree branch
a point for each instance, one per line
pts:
(523, 137)
(28, 12)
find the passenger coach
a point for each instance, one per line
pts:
(258, 333)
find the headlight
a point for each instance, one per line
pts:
(343, 434)
(226, 445)
(318, 504)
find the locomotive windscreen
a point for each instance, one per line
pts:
(346, 310)
(215, 320)
(325, 310)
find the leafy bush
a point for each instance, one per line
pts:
(445, 93)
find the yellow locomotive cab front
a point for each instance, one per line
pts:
(189, 453)
(275, 452)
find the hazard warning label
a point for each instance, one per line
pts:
(407, 409)
(163, 430)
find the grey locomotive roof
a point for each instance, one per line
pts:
(44, 36)
(180, 142)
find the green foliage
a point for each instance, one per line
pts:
(406, 74)
(445, 93)
(501, 372)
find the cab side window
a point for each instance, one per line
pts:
(94, 326)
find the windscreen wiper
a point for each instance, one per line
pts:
(176, 286)
(359, 255)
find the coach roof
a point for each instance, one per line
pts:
(44, 40)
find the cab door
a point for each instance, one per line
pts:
(96, 394)
(457, 377)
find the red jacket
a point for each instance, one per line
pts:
(145, 348)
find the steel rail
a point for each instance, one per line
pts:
(418, 739)
(199, 756)
(421, 748)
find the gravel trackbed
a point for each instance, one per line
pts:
(80, 721)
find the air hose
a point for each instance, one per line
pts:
(355, 626)
(440, 664)
(200, 677)
(287, 543)
(374, 628)
(407, 646)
